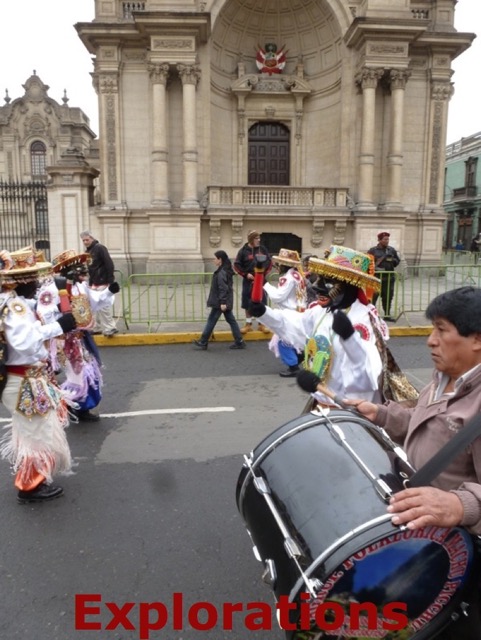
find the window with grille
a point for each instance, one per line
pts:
(38, 158)
(471, 165)
(41, 216)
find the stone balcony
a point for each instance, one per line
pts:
(317, 206)
(312, 199)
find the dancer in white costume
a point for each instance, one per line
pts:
(76, 353)
(34, 442)
(339, 332)
(290, 293)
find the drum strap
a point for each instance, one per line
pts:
(443, 457)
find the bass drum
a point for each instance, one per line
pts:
(313, 496)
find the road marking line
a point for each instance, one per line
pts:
(153, 412)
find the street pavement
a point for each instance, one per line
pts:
(150, 510)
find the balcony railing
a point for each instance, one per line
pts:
(276, 197)
(420, 14)
(464, 193)
(129, 7)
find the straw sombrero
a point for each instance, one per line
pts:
(22, 266)
(347, 265)
(287, 257)
(70, 258)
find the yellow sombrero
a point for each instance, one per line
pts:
(347, 265)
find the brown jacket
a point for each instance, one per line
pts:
(425, 429)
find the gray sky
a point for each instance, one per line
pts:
(39, 34)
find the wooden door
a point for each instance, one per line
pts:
(268, 154)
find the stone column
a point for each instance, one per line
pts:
(367, 79)
(160, 155)
(70, 199)
(107, 86)
(441, 93)
(398, 79)
(189, 74)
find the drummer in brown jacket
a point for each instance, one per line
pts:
(444, 407)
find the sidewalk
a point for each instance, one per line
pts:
(172, 332)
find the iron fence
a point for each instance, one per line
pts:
(24, 216)
(159, 301)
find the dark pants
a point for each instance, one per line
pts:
(388, 280)
(212, 319)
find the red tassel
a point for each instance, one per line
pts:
(65, 306)
(257, 292)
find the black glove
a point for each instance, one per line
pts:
(67, 322)
(257, 309)
(342, 325)
(60, 282)
(114, 287)
(308, 380)
(72, 276)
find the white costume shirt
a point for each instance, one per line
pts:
(48, 299)
(350, 368)
(290, 292)
(25, 334)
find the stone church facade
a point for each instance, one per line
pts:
(312, 121)
(48, 170)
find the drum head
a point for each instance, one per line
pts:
(405, 585)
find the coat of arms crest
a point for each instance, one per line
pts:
(269, 60)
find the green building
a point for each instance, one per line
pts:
(462, 193)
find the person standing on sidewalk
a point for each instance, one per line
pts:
(386, 259)
(244, 265)
(221, 301)
(101, 275)
(290, 293)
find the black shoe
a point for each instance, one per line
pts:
(389, 319)
(109, 334)
(199, 344)
(238, 345)
(291, 372)
(87, 416)
(42, 493)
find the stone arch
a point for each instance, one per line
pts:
(310, 30)
(306, 97)
(338, 8)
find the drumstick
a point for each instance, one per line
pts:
(308, 381)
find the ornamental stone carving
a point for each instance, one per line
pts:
(388, 49)
(108, 83)
(340, 233)
(158, 73)
(398, 78)
(237, 232)
(177, 44)
(189, 73)
(214, 232)
(441, 91)
(369, 77)
(317, 232)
